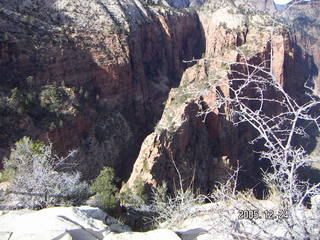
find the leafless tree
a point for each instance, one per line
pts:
(40, 177)
(252, 92)
(249, 94)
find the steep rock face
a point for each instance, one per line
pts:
(179, 146)
(110, 64)
(305, 32)
(219, 144)
(231, 36)
(302, 66)
(185, 3)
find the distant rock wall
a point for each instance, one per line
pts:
(305, 31)
(261, 5)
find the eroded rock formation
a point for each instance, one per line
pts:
(115, 61)
(203, 149)
(304, 24)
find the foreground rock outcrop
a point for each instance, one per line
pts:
(151, 235)
(218, 220)
(78, 223)
(224, 220)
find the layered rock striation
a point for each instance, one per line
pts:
(96, 74)
(233, 35)
(305, 29)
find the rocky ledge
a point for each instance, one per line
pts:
(205, 222)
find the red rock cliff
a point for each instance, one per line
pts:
(119, 61)
(203, 149)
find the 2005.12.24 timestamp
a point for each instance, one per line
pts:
(265, 214)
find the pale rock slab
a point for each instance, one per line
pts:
(77, 223)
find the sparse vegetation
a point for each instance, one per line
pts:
(135, 196)
(106, 190)
(39, 178)
(57, 100)
(173, 208)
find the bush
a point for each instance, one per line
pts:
(106, 190)
(135, 196)
(6, 175)
(172, 209)
(59, 100)
(36, 181)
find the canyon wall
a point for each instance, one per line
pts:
(302, 66)
(200, 150)
(305, 30)
(96, 74)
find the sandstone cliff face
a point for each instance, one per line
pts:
(242, 5)
(116, 60)
(231, 35)
(305, 30)
(218, 145)
(179, 145)
(302, 66)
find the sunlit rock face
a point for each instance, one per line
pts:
(262, 5)
(305, 31)
(206, 147)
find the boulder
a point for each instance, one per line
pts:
(5, 235)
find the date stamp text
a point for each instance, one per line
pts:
(265, 214)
